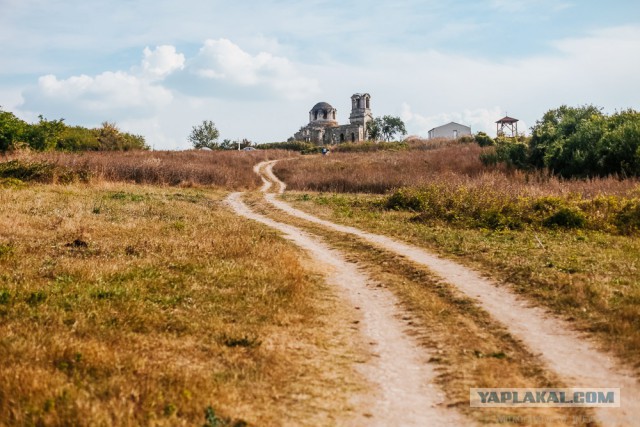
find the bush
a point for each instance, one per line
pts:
(41, 172)
(484, 140)
(369, 146)
(483, 207)
(627, 220)
(584, 142)
(566, 218)
(299, 146)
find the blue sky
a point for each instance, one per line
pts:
(159, 67)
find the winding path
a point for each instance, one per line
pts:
(404, 394)
(571, 355)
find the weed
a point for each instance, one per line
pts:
(243, 341)
(5, 296)
(6, 249)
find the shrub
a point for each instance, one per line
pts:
(565, 217)
(627, 220)
(299, 146)
(484, 140)
(42, 172)
(406, 199)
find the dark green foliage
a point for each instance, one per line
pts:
(78, 138)
(12, 131)
(213, 420)
(484, 140)
(45, 135)
(485, 208)
(627, 219)
(565, 217)
(581, 142)
(385, 128)
(205, 135)
(48, 135)
(367, 146)
(41, 172)
(110, 138)
(299, 146)
(576, 142)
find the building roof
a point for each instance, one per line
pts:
(322, 106)
(507, 119)
(450, 123)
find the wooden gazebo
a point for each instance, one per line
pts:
(507, 126)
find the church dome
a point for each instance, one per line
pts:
(323, 114)
(322, 106)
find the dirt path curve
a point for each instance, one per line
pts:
(570, 354)
(405, 395)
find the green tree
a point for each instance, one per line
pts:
(78, 138)
(110, 138)
(12, 130)
(484, 140)
(45, 135)
(391, 126)
(374, 129)
(205, 135)
(385, 127)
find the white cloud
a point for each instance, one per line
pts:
(160, 62)
(224, 62)
(106, 93)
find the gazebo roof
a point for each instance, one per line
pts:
(507, 119)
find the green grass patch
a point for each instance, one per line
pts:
(482, 207)
(41, 172)
(585, 274)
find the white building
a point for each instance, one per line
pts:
(450, 130)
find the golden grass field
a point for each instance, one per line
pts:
(131, 295)
(590, 274)
(140, 305)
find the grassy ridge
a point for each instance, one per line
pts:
(140, 305)
(223, 169)
(569, 244)
(441, 164)
(589, 276)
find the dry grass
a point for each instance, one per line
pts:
(222, 169)
(590, 277)
(451, 165)
(134, 305)
(470, 349)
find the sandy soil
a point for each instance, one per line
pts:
(403, 392)
(573, 356)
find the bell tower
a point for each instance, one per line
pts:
(360, 109)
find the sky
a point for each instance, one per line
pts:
(255, 68)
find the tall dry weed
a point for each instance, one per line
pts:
(227, 169)
(457, 165)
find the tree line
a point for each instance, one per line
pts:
(575, 142)
(48, 135)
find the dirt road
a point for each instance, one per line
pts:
(403, 379)
(574, 357)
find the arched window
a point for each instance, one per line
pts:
(334, 115)
(342, 137)
(367, 99)
(316, 116)
(353, 137)
(324, 115)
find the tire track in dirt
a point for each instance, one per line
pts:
(571, 355)
(405, 394)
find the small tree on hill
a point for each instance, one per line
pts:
(385, 127)
(205, 135)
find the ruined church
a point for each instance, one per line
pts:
(323, 127)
